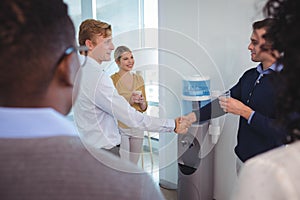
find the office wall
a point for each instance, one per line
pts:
(208, 38)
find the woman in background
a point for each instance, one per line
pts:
(131, 86)
(275, 174)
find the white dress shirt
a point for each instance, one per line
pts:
(34, 123)
(99, 106)
(273, 175)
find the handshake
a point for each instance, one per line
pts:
(184, 122)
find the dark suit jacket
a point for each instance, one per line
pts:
(262, 134)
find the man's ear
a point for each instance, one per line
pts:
(63, 74)
(89, 44)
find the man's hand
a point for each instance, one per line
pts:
(235, 106)
(184, 122)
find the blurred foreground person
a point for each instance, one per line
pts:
(41, 154)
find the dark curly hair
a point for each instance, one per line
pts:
(32, 38)
(286, 37)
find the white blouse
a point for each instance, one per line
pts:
(274, 175)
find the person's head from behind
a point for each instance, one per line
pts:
(97, 36)
(286, 36)
(261, 48)
(124, 58)
(37, 61)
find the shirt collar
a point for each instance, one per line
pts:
(275, 67)
(34, 123)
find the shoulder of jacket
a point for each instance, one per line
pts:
(250, 72)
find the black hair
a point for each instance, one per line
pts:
(287, 41)
(266, 24)
(34, 34)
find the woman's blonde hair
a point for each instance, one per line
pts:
(119, 51)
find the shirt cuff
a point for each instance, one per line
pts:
(172, 124)
(250, 118)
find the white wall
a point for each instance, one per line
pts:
(209, 38)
